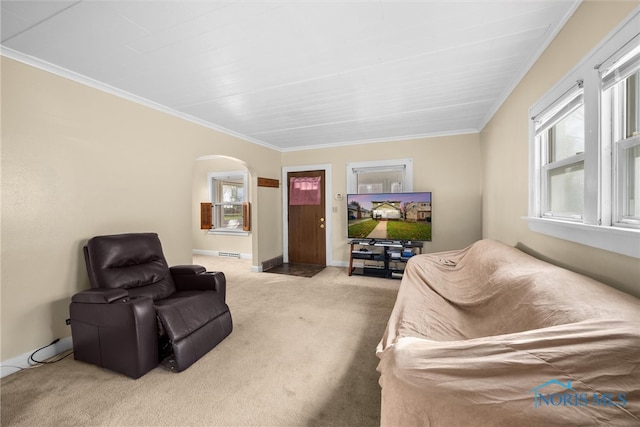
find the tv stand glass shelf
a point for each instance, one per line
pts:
(381, 258)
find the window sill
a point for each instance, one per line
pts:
(225, 232)
(624, 241)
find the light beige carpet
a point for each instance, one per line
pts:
(302, 353)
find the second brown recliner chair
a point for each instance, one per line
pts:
(140, 310)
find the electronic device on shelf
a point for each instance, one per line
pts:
(387, 259)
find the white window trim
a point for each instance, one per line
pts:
(407, 185)
(597, 229)
(615, 239)
(618, 218)
(228, 174)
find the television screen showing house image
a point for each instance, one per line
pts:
(389, 216)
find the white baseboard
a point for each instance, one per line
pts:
(16, 364)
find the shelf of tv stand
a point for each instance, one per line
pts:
(378, 256)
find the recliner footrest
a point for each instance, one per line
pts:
(182, 316)
(188, 350)
(194, 325)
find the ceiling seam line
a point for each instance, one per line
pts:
(41, 21)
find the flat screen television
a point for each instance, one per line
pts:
(389, 216)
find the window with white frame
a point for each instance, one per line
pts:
(381, 176)
(228, 192)
(620, 99)
(584, 151)
(560, 140)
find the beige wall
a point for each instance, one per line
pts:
(447, 166)
(504, 146)
(78, 162)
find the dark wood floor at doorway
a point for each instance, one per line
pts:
(301, 270)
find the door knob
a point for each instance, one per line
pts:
(321, 225)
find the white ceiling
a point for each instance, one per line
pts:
(295, 75)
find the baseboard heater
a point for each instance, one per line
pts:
(230, 254)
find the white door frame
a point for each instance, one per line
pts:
(326, 167)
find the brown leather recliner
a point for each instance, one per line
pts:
(139, 310)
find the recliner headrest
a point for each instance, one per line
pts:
(128, 261)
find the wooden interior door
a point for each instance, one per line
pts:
(307, 225)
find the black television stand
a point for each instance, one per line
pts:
(381, 258)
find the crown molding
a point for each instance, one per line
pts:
(87, 81)
(95, 84)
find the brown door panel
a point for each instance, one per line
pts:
(307, 226)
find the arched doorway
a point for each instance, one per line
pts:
(224, 183)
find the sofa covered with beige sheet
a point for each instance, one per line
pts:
(490, 336)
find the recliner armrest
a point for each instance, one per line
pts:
(121, 336)
(187, 270)
(199, 280)
(100, 296)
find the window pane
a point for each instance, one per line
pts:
(370, 188)
(566, 138)
(566, 190)
(632, 193)
(227, 195)
(380, 181)
(232, 192)
(230, 216)
(632, 104)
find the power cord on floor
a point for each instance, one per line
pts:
(44, 362)
(33, 363)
